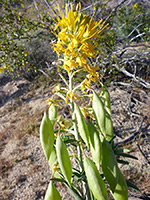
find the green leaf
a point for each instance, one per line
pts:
(95, 144)
(122, 150)
(108, 127)
(109, 165)
(121, 189)
(52, 114)
(82, 127)
(46, 135)
(74, 192)
(52, 193)
(64, 159)
(70, 141)
(106, 99)
(53, 157)
(95, 181)
(99, 112)
(130, 184)
(125, 155)
(124, 162)
(53, 160)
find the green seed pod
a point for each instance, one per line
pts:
(109, 165)
(46, 135)
(108, 127)
(63, 159)
(106, 99)
(82, 127)
(99, 112)
(121, 190)
(52, 113)
(53, 161)
(95, 144)
(95, 181)
(52, 193)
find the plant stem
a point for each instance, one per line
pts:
(76, 133)
(77, 136)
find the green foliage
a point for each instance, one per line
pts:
(100, 165)
(52, 193)
(47, 135)
(131, 21)
(95, 181)
(22, 52)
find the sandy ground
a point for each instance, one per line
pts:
(24, 170)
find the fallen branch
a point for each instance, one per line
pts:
(135, 78)
(142, 152)
(132, 136)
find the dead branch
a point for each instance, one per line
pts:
(133, 76)
(142, 152)
(132, 136)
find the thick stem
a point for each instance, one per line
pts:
(76, 133)
(77, 136)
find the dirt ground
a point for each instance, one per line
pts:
(24, 170)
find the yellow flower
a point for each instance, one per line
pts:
(56, 89)
(69, 65)
(1, 70)
(77, 35)
(5, 67)
(81, 61)
(91, 70)
(87, 49)
(63, 123)
(85, 84)
(86, 112)
(71, 96)
(25, 53)
(135, 5)
(52, 102)
(93, 77)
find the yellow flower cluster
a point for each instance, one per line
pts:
(77, 35)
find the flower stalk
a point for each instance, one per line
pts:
(89, 131)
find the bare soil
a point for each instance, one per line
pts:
(24, 170)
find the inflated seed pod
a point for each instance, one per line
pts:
(95, 181)
(99, 112)
(46, 135)
(121, 190)
(109, 165)
(52, 193)
(52, 113)
(64, 159)
(95, 144)
(82, 127)
(106, 99)
(108, 127)
(53, 162)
